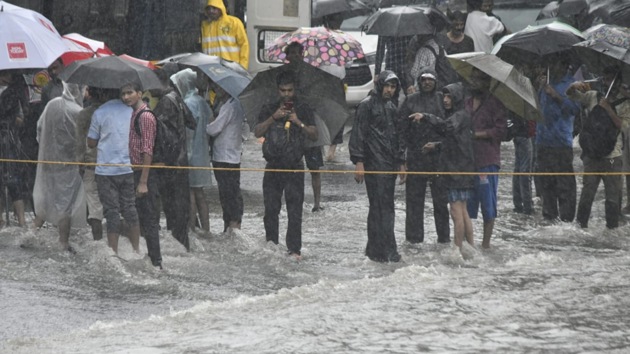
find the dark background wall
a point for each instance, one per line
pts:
(147, 29)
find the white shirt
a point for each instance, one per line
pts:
(481, 28)
(227, 132)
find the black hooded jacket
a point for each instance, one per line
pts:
(414, 135)
(456, 148)
(374, 139)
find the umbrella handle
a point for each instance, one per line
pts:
(611, 85)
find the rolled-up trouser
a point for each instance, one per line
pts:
(148, 217)
(229, 183)
(559, 192)
(613, 187)
(522, 184)
(95, 207)
(118, 196)
(175, 195)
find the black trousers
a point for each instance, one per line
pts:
(229, 183)
(559, 193)
(292, 185)
(416, 188)
(175, 196)
(381, 245)
(148, 217)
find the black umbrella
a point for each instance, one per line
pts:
(230, 76)
(321, 90)
(321, 8)
(399, 21)
(615, 12)
(530, 46)
(599, 54)
(195, 59)
(110, 72)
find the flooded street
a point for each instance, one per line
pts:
(543, 287)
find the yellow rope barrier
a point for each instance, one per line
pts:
(252, 169)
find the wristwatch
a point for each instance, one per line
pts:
(301, 125)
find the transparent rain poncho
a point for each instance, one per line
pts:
(58, 191)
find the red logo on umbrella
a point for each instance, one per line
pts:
(17, 51)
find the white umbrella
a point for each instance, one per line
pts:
(508, 85)
(27, 39)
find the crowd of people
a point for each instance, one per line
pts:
(419, 118)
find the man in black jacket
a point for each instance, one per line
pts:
(374, 147)
(414, 134)
(285, 125)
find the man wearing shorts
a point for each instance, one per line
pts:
(489, 127)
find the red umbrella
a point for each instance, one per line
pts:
(97, 47)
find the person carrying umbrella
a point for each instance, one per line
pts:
(109, 134)
(224, 35)
(312, 154)
(285, 124)
(374, 146)
(554, 141)
(227, 147)
(617, 108)
(489, 118)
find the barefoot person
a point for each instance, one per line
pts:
(456, 155)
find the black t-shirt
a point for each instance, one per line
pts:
(284, 148)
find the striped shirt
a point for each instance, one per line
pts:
(141, 144)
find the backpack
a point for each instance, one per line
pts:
(167, 147)
(445, 72)
(599, 134)
(283, 147)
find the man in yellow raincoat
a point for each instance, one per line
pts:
(224, 35)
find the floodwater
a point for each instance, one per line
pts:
(543, 287)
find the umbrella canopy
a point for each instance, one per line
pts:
(599, 54)
(343, 8)
(321, 46)
(195, 59)
(230, 76)
(75, 52)
(97, 47)
(321, 90)
(508, 85)
(321, 8)
(615, 35)
(399, 21)
(27, 39)
(145, 63)
(615, 12)
(533, 44)
(110, 72)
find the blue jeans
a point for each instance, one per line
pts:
(522, 184)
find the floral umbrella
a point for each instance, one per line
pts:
(615, 35)
(321, 46)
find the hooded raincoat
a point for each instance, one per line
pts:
(374, 142)
(225, 37)
(197, 139)
(456, 149)
(58, 191)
